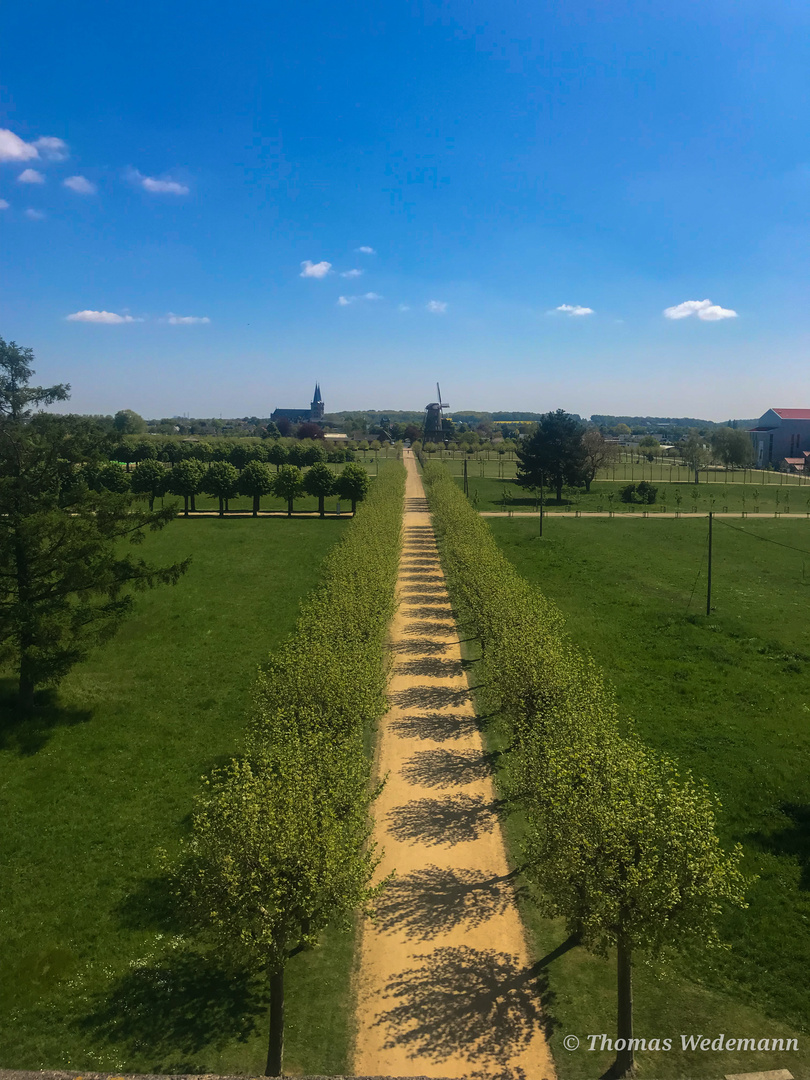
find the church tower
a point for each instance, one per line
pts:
(317, 408)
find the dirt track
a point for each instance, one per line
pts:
(444, 984)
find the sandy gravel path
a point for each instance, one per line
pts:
(445, 987)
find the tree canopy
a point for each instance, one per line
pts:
(16, 396)
(554, 454)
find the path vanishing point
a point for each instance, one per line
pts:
(444, 984)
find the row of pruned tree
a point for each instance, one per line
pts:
(222, 480)
(280, 845)
(238, 452)
(618, 840)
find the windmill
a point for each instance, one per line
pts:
(434, 428)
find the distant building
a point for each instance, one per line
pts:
(781, 434)
(298, 416)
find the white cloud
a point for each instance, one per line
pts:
(31, 176)
(705, 310)
(186, 320)
(315, 270)
(365, 250)
(80, 184)
(404, 307)
(352, 273)
(109, 317)
(574, 309)
(438, 307)
(3, 204)
(371, 296)
(13, 148)
(34, 215)
(157, 187)
(344, 301)
(51, 148)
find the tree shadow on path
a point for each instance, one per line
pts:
(454, 819)
(435, 900)
(477, 1004)
(430, 697)
(447, 768)
(433, 667)
(439, 727)
(419, 645)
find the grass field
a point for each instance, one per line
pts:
(94, 976)
(728, 697)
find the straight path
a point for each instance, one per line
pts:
(445, 987)
(647, 515)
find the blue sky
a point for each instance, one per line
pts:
(538, 184)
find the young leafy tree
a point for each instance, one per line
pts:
(16, 396)
(271, 431)
(288, 483)
(277, 455)
(353, 484)
(145, 450)
(65, 578)
(555, 453)
(733, 446)
(111, 477)
(186, 479)
(256, 480)
(221, 480)
(314, 454)
(599, 453)
(149, 478)
(125, 452)
(649, 446)
(280, 848)
(625, 849)
(127, 422)
(693, 450)
(319, 481)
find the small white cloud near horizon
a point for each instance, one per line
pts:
(51, 148)
(155, 186)
(81, 185)
(13, 148)
(352, 273)
(365, 250)
(344, 301)
(705, 310)
(438, 307)
(4, 205)
(186, 320)
(34, 215)
(30, 176)
(108, 317)
(574, 309)
(315, 270)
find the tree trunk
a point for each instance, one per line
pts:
(151, 503)
(25, 694)
(185, 508)
(354, 506)
(255, 505)
(625, 1059)
(588, 481)
(221, 506)
(26, 685)
(559, 491)
(275, 1045)
(320, 504)
(194, 503)
(697, 474)
(289, 507)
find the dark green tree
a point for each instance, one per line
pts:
(149, 478)
(111, 477)
(554, 454)
(221, 480)
(145, 450)
(271, 431)
(127, 422)
(16, 396)
(733, 447)
(186, 479)
(313, 454)
(124, 452)
(66, 573)
(277, 455)
(320, 482)
(257, 479)
(353, 484)
(288, 483)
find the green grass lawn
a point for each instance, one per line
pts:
(94, 976)
(496, 494)
(729, 697)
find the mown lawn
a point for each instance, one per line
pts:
(729, 697)
(94, 974)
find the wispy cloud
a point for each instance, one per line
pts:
(404, 307)
(34, 215)
(365, 250)
(705, 310)
(155, 186)
(438, 307)
(31, 176)
(3, 204)
(80, 184)
(344, 301)
(109, 317)
(315, 270)
(352, 273)
(186, 320)
(51, 148)
(574, 309)
(13, 148)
